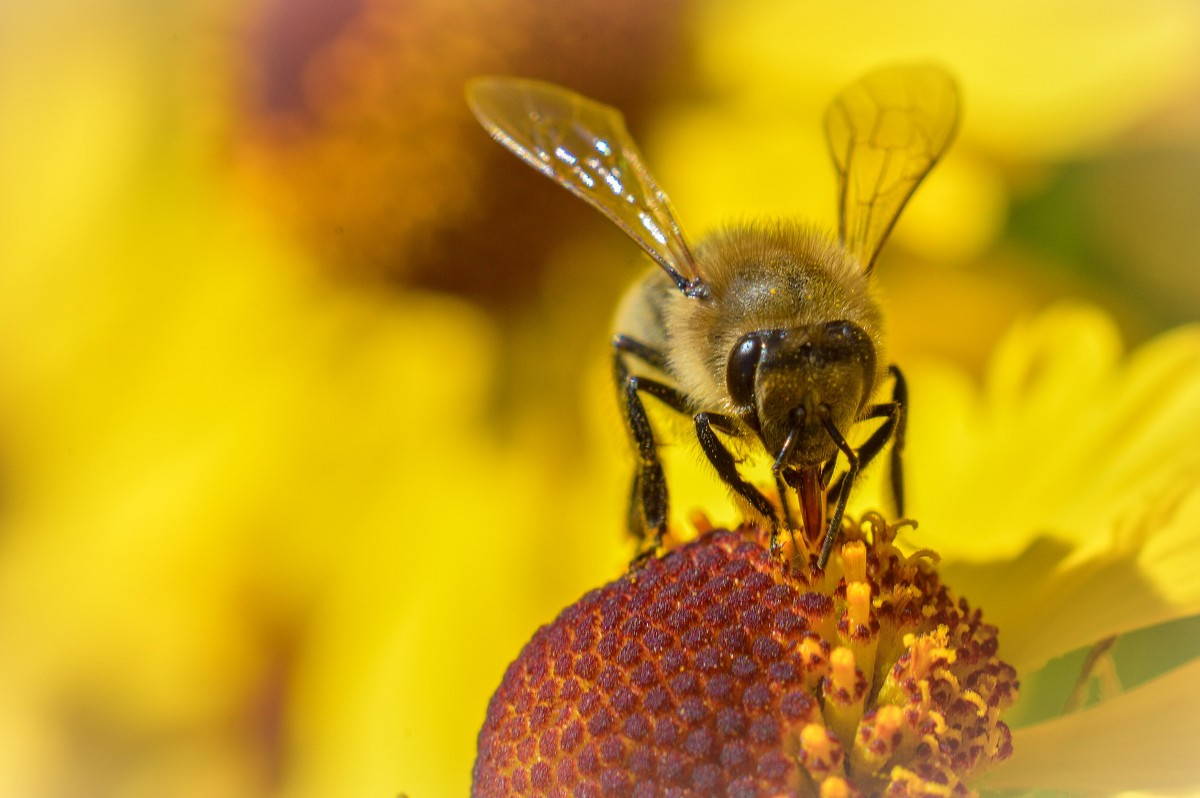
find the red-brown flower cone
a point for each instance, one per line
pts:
(720, 669)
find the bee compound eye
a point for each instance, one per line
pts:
(844, 336)
(742, 369)
(846, 341)
(842, 329)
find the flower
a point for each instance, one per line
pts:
(244, 503)
(720, 669)
(1095, 540)
(1079, 468)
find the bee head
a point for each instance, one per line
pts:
(787, 383)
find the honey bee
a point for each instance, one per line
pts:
(764, 333)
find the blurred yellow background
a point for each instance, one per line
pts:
(304, 415)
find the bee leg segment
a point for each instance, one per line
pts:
(632, 346)
(650, 486)
(648, 496)
(895, 414)
(777, 470)
(842, 488)
(648, 509)
(900, 401)
(726, 467)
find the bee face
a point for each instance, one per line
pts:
(774, 287)
(788, 384)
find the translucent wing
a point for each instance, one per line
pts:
(584, 147)
(886, 132)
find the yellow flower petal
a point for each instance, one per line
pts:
(1051, 600)
(1141, 740)
(1047, 96)
(1078, 477)
(1065, 444)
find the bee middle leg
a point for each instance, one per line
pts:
(648, 503)
(726, 466)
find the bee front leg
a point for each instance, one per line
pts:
(892, 429)
(726, 466)
(895, 414)
(842, 488)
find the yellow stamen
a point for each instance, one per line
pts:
(820, 751)
(854, 561)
